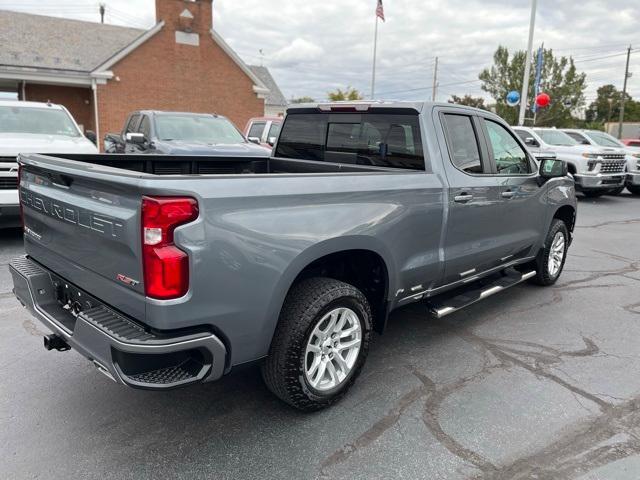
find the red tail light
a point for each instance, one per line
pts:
(166, 267)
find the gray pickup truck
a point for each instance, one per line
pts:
(168, 278)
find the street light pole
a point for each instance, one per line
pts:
(527, 65)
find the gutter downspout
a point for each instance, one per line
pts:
(24, 90)
(94, 88)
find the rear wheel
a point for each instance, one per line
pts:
(550, 260)
(320, 344)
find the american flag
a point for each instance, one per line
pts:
(380, 11)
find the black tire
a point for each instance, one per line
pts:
(594, 193)
(543, 277)
(304, 307)
(616, 191)
(634, 189)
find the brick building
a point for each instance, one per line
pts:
(102, 72)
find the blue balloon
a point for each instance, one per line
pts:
(513, 98)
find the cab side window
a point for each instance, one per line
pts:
(131, 125)
(256, 130)
(145, 127)
(510, 158)
(463, 143)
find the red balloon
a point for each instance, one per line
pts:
(543, 100)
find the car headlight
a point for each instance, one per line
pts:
(590, 155)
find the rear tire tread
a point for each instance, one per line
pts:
(282, 369)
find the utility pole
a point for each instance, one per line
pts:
(102, 10)
(435, 82)
(624, 93)
(527, 65)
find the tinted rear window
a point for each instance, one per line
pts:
(384, 140)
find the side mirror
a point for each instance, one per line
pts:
(272, 141)
(134, 137)
(91, 136)
(531, 141)
(553, 168)
(255, 140)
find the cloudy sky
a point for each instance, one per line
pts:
(313, 47)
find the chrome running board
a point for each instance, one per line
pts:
(459, 298)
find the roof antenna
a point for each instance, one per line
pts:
(102, 10)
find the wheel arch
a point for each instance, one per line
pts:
(335, 258)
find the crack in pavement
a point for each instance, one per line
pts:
(533, 357)
(630, 221)
(574, 453)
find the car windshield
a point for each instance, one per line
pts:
(197, 128)
(604, 139)
(555, 137)
(40, 121)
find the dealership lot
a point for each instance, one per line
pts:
(534, 383)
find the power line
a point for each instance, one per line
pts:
(428, 88)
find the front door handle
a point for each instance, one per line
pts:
(507, 194)
(463, 198)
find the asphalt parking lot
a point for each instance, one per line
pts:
(531, 383)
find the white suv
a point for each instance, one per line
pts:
(31, 127)
(603, 139)
(596, 170)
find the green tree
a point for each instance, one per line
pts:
(347, 94)
(606, 106)
(560, 79)
(303, 100)
(469, 101)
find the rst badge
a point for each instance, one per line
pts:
(127, 281)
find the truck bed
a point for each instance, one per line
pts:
(214, 165)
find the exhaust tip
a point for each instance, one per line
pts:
(55, 342)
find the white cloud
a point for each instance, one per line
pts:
(315, 46)
(297, 53)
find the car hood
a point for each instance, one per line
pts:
(177, 147)
(579, 149)
(11, 144)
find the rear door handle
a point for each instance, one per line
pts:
(463, 198)
(507, 194)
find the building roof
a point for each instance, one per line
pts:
(38, 41)
(275, 96)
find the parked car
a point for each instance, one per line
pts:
(180, 133)
(169, 280)
(631, 142)
(263, 130)
(27, 127)
(596, 170)
(602, 139)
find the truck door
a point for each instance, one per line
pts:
(522, 210)
(472, 241)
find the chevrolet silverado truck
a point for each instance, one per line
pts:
(292, 261)
(603, 139)
(32, 127)
(597, 170)
(180, 133)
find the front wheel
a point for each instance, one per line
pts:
(550, 260)
(635, 189)
(615, 191)
(320, 343)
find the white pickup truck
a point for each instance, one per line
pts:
(597, 170)
(32, 127)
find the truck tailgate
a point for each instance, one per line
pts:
(83, 222)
